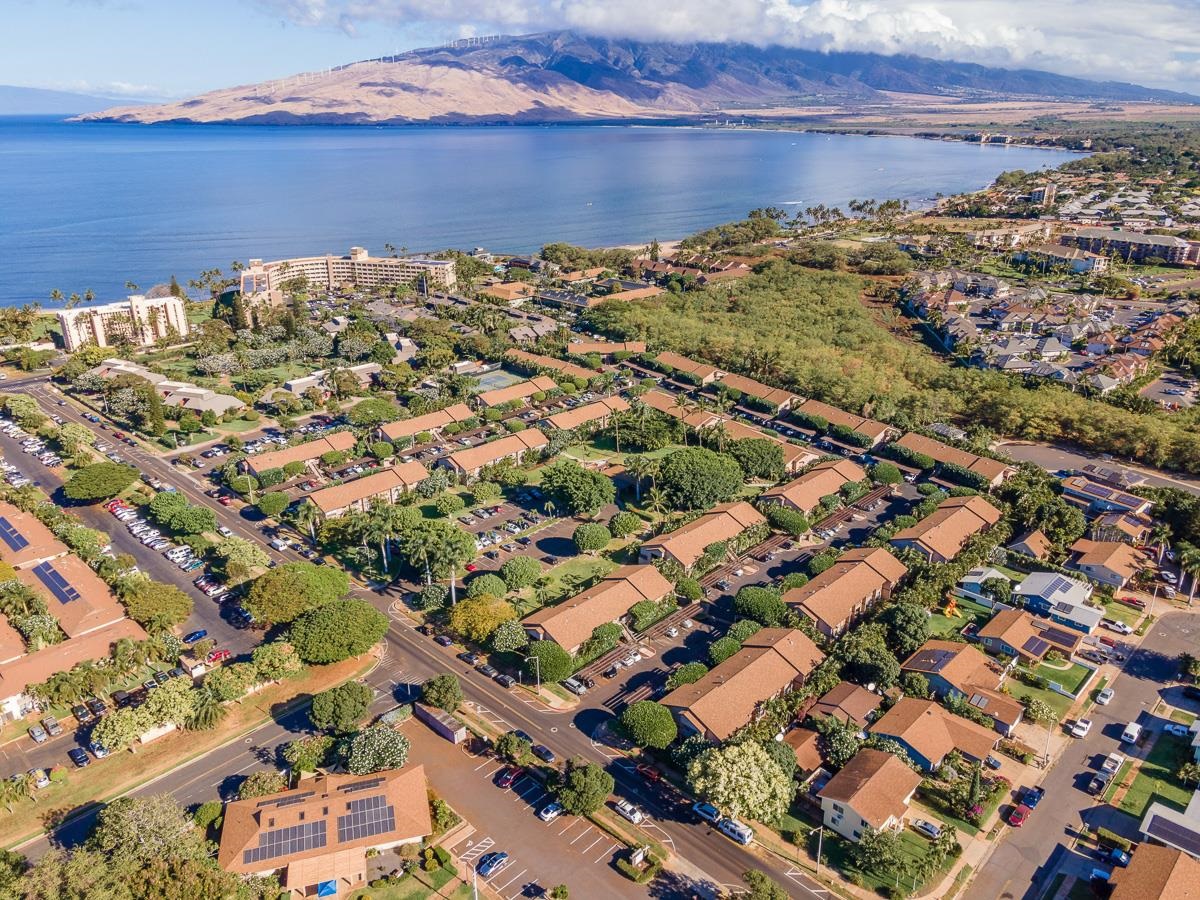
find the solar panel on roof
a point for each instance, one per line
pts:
(286, 841)
(9, 534)
(1058, 636)
(360, 785)
(1058, 584)
(1173, 833)
(367, 817)
(54, 582)
(286, 801)
(1035, 646)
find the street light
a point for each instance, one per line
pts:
(820, 840)
(537, 669)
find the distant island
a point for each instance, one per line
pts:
(567, 77)
(29, 101)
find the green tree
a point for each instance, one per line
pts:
(272, 503)
(759, 458)
(1038, 710)
(371, 412)
(697, 478)
(307, 754)
(876, 851)
(338, 630)
(762, 887)
(142, 829)
(442, 691)
(514, 748)
(576, 490)
(762, 604)
(262, 784)
(866, 658)
(743, 780)
(99, 481)
(520, 571)
(340, 708)
(907, 627)
(437, 548)
(154, 605)
(553, 662)
(485, 492)
(723, 648)
(649, 724)
(509, 636)
(477, 617)
(239, 557)
(886, 473)
(839, 741)
(582, 787)
(625, 523)
(282, 594)
(591, 537)
(688, 673)
(488, 584)
(449, 504)
(376, 749)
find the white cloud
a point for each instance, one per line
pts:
(1151, 42)
(120, 90)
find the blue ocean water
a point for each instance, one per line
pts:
(95, 205)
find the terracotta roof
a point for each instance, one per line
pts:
(834, 416)
(1012, 626)
(1113, 555)
(833, 596)
(1037, 542)
(961, 665)
(752, 388)
(1134, 527)
(634, 294)
(40, 665)
(847, 702)
(572, 622)
(669, 404)
(459, 412)
(509, 290)
(12, 645)
(947, 528)
(471, 458)
(589, 412)
(549, 362)
(722, 523)
(727, 696)
(794, 455)
(24, 540)
(81, 603)
(874, 784)
(989, 468)
(400, 477)
(321, 805)
(604, 348)
(277, 459)
(933, 731)
(1157, 873)
(805, 743)
(518, 391)
(824, 478)
(683, 364)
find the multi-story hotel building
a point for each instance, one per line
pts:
(140, 320)
(360, 269)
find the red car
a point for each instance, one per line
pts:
(218, 656)
(649, 773)
(225, 501)
(471, 567)
(508, 776)
(1019, 816)
(1132, 601)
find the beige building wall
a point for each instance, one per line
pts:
(143, 320)
(358, 268)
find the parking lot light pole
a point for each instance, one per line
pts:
(537, 669)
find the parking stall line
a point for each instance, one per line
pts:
(477, 849)
(500, 887)
(582, 834)
(572, 824)
(588, 848)
(607, 852)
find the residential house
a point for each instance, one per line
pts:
(606, 349)
(703, 372)
(1130, 245)
(570, 623)
(1109, 562)
(520, 391)
(874, 431)
(180, 394)
(929, 733)
(317, 837)
(941, 535)
(307, 453)
(804, 493)
(687, 544)
(509, 291)
(774, 400)
(538, 361)
(468, 462)
(681, 408)
(1171, 827)
(770, 663)
(1124, 527)
(1014, 632)
(848, 703)
(795, 456)
(1063, 600)
(848, 589)
(972, 585)
(1103, 498)
(1158, 873)
(871, 792)
(991, 470)
(596, 414)
(24, 540)
(432, 423)
(805, 743)
(1034, 544)
(1072, 258)
(960, 670)
(385, 485)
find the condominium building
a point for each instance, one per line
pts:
(358, 269)
(139, 320)
(1133, 245)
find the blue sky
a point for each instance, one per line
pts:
(174, 48)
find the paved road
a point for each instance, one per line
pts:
(1026, 858)
(1052, 458)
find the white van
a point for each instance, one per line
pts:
(278, 544)
(735, 830)
(1132, 732)
(629, 811)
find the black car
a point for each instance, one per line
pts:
(611, 672)
(121, 699)
(79, 757)
(82, 714)
(443, 641)
(544, 753)
(504, 680)
(522, 735)
(96, 706)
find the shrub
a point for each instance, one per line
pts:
(449, 504)
(591, 537)
(689, 589)
(723, 648)
(520, 571)
(487, 583)
(432, 596)
(625, 523)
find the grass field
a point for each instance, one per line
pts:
(417, 886)
(913, 848)
(940, 625)
(1056, 701)
(1069, 679)
(1156, 781)
(1123, 613)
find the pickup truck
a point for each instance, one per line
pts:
(1112, 763)
(1033, 796)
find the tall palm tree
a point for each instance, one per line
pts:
(125, 656)
(639, 468)
(307, 515)
(1160, 536)
(207, 712)
(1188, 558)
(656, 501)
(377, 528)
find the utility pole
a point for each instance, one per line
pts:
(820, 841)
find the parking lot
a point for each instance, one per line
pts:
(1172, 390)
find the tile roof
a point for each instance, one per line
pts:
(1113, 555)
(805, 743)
(81, 602)
(277, 459)
(24, 540)
(518, 391)
(572, 622)
(1036, 541)
(683, 364)
(727, 697)
(549, 362)
(752, 388)
(989, 468)
(834, 416)
(396, 801)
(471, 458)
(858, 575)
(722, 523)
(946, 530)
(933, 731)
(875, 784)
(1157, 873)
(459, 412)
(400, 477)
(1016, 628)
(604, 348)
(960, 665)
(847, 702)
(824, 478)
(35, 668)
(589, 412)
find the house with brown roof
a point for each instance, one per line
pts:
(868, 428)
(316, 836)
(795, 456)
(770, 663)
(929, 732)
(774, 400)
(679, 407)
(386, 485)
(509, 291)
(572, 622)
(1032, 543)
(1108, 562)
(1122, 527)
(468, 462)
(805, 743)
(595, 415)
(705, 373)
(872, 791)
(1014, 632)
(1157, 873)
(538, 361)
(963, 671)
(687, 544)
(433, 423)
(804, 493)
(848, 589)
(847, 702)
(942, 534)
(307, 453)
(522, 390)
(641, 293)
(24, 540)
(991, 470)
(75, 595)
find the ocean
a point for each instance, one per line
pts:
(93, 206)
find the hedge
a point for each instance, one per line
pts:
(848, 435)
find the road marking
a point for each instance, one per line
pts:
(511, 880)
(570, 825)
(606, 853)
(477, 849)
(592, 844)
(582, 834)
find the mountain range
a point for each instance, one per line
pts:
(27, 101)
(568, 77)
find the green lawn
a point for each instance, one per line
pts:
(1056, 701)
(913, 848)
(1156, 781)
(575, 570)
(1069, 679)
(1123, 613)
(941, 625)
(418, 886)
(1179, 715)
(1118, 780)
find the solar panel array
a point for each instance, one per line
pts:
(55, 583)
(1059, 636)
(360, 786)
(9, 534)
(286, 801)
(1175, 834)
(1058, 584)
(367, 817)
(286, 841)
(1035, 646)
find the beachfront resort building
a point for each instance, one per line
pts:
(137, 320)
(264, 280)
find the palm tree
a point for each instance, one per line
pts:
(1188, 558)
(1160, 537)
(640, 467)
(656, 501)
(125, 657)
(207, 712)
(307, 515)
(10, 792)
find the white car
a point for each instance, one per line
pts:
(1104, 697)
(550, 812)
(1118, 627)
(1081, 728)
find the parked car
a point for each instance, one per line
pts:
(486, 670)
(735, 830)
(98, 749)
(217, 656)
(1019, 816)
(1176, 729)
(544, 753)
(1081, 728)
(443, 640)
(1099, 783)
(1118, 627)
(707, 812)
(82, 714)
(991, 762)
(41, 778)
(97, 706)
(505, 680)
(38, 734)
(52, 727)
(1105, 697)
(627, 810)
(550, 812)
(1033, 796)
(490, 863)
(929, 829)
(507, 776)
(194, 636)
(79, 756)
